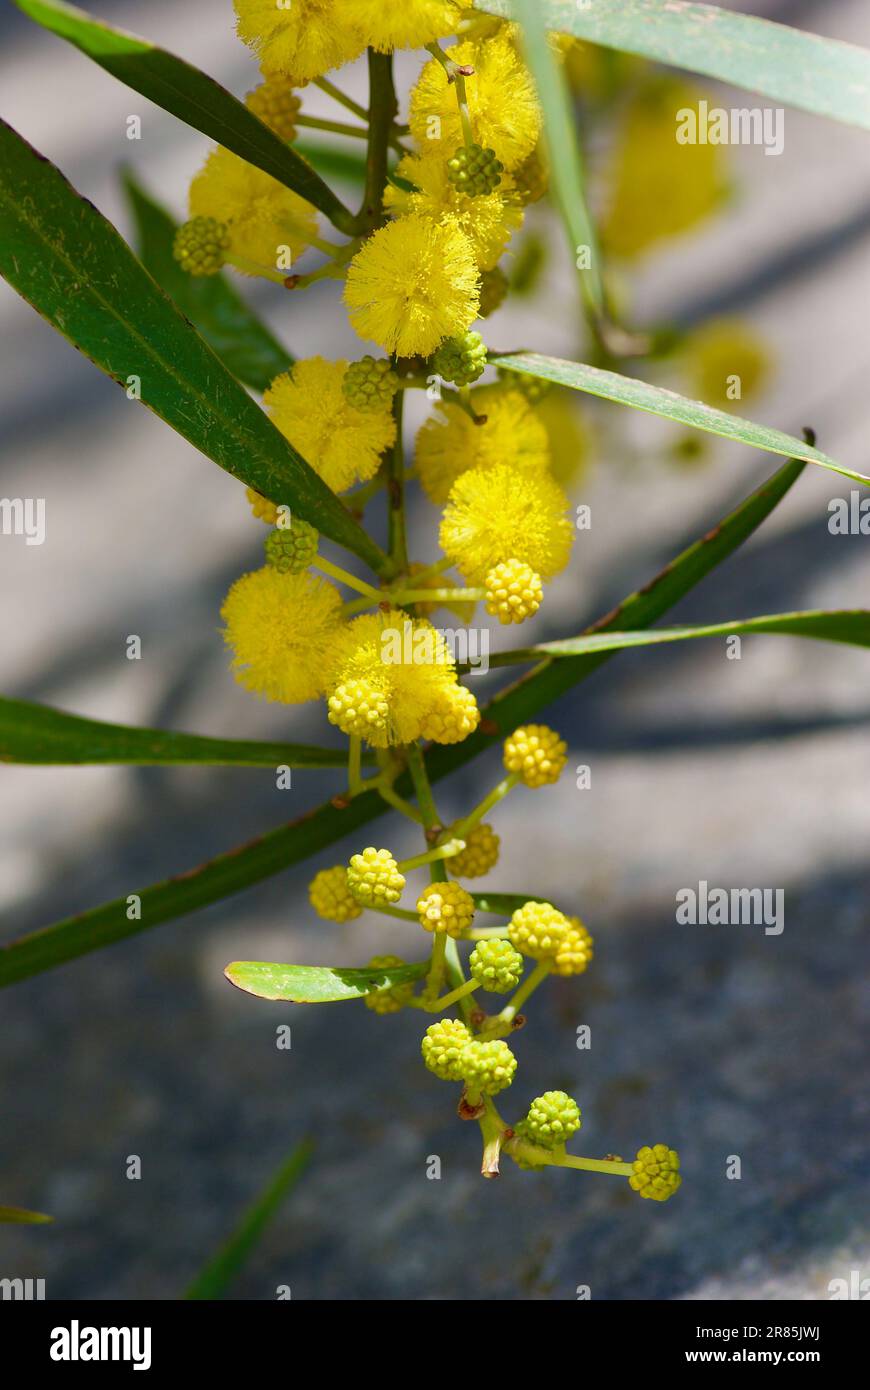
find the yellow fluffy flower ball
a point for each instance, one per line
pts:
(302, 40)
(450, 443)
(400, 665)
(488, 221)
(502, 102)
(261, 215)
(659, 187)
(389, 24)
(342, 444)
(412, 284)
(282, 629)
(496, 514)
(538, 930)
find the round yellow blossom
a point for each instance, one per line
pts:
(263, 509)
(412, 284)
(450, 443)
(502, 102)
(330, 896)
(495, 514)
(452, 717)
(360, 707)
(342, 444)
(390, 998)
(373, 878)
(276, 104)
(261, 215)
(487, 221)
(403, 661)
(656, 1172)
(537, 753)
(660, 188)
(302, 40)
(575, 952)
(389, 24)
(513, 591)
(443, 1046)
(488, 1067)
(538, 930)
(480, 853)
(445, 907)
(282, 629)
(727, 362)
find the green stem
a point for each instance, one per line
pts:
(529, 984)
(460, 992)
(457, 80)
(399, 802)
(492, 1129)
(336, 572)
(402, 596)
(497, 794)
(431, 856)
(382, 113)
(402, 913)
(426, 802)
(278, 277)
(334, 127)
(338, 95)
(484, 933)
(436, 966)
(398, 541)
(438, 568)
(354, 766)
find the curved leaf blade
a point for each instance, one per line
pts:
(656, 400)
(825, 76)
(18, 1216)
(316, 984)
(60, 253)
(849, 626)
(185, 92)
(42, 736)
(220, 1271)
(279, 849)
(232, 330)
(565, 159)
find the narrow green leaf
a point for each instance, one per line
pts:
(565, 157)
(316, 984)
(279, 849)
(17, 1216)
(655, 400)
(851, 626)
(816, 74)
(231, 329)
(185, 92)
(38, 734)
(213, 1281)
(62, 256)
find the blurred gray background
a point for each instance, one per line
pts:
(718, 1040)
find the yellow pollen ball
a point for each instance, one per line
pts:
(264, 219)
(495, 514)
(343, 444)
(412, 284)
(450, 443)
(282, 629)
